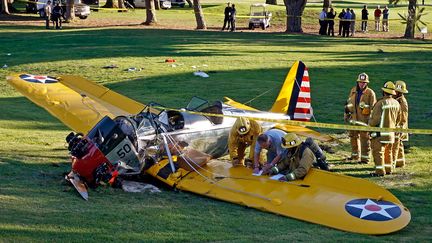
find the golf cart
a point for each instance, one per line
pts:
(259, 16)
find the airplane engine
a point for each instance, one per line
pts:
(104, 150)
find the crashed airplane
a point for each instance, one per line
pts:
(117, 136)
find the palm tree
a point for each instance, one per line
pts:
(150, 13)
(199, 16)
(4, 7)
(412, 19)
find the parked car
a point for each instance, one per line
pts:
(82, 10)
(180, 3)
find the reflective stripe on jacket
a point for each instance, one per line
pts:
(385, 113)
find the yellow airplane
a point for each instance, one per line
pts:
(118, 136)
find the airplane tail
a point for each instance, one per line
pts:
(294, 98)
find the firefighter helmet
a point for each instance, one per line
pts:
(401, 87)
(290, 140)
(363, 78)
(389, 88)
(243, 126)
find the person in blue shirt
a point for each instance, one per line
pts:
(347, 23)
(271, 141)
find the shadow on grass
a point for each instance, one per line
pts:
(21, 109)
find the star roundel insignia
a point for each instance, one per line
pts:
(370, 209)
(38, 79)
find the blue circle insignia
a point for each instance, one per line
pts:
(38, 79)
(370, 209)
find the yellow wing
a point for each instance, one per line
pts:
(75, 101)
(330, 199)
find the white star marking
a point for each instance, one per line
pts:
(39, 78)
(371, 207)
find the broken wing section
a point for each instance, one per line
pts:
(75, 101)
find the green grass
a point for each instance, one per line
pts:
(37, 205)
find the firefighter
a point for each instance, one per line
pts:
(271, 141)
(297, 160)
(385, 115)
(398, 146)
(357, 111)
(242, 135)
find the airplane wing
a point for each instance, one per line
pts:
(330, 199)
(75, 101)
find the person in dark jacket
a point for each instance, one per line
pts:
(57, 13)
(330, 20)
(233, 18)
(341, 22)
(227, 13)
(365, 14)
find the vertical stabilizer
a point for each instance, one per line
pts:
(294, 98)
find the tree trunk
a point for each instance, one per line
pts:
(150, 13)
(410, 26)
(199, 16)
(111, 4)
(70, 10)
(4, 7)
(327, 4)
(294, 10)
(273, 2)
(121, 5)
(157, 4)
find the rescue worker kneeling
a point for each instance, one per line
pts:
(243, 134)
(297, 161)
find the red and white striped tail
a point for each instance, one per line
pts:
(303, 110)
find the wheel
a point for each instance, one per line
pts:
(82, 17)
(251, 26)
(263, 26)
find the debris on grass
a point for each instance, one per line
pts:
(201, 74)
(133, 69)
(134, 186)
(110, 66)
(5, 66)
(170, 60)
